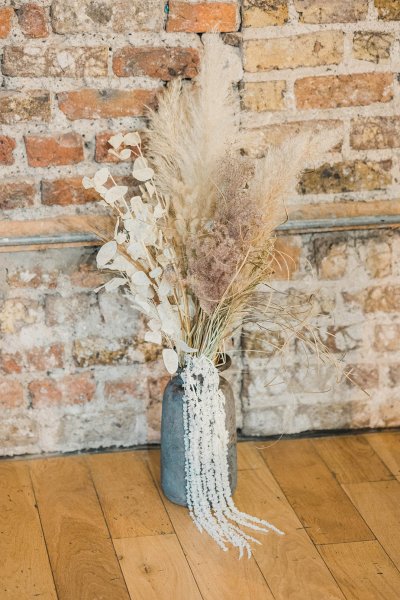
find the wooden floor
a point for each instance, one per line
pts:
(96, 526)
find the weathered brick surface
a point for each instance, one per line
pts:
(334, 11)
(346, 177)
(198, 17)
(63, 149)
(388, 9)
(372, 46)
(263, 13)
(92, 16)
(7, 147)
(62, 192)
(32, 105)
(16, 194)
(162, 63)
(11, 393)
(308, 50)
(32, 20)
(33, 61)
(77, 370)
(105, 104)
(375, 132)
(264, 95)
(336, 91)
(6, 15)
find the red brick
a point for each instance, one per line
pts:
(11, 363)
(45, 392)
(334, 91)
(11, 393)
(6, 15)
(55, 61)
(202, 16)
(63, 149)
(63, 192)
(16, 194)
(87, 276)
(31, 278)
(162, 63)
(78, 388)
(7, 146)
(32, 105)
(32, 20)
(120, 391)
(96, 104)
(102, 153)
(45, 358)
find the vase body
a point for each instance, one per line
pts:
(173, 478)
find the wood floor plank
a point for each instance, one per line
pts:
(351, 459)
(363, 570)
(248, 456)
(387, 445)
(290, 564)
(131, 503)
(219, 575)
(320, 503)
(155, 568)
(379, 504)
(82, 556)
(24, 565)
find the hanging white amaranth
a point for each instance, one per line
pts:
(208, 491)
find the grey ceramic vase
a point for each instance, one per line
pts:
(173, 479)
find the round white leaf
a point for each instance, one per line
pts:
(170, 358)
(106, 253)
(153, 336)
(114, 283)
(156, 272)
(116, 140)
(132, 139)
(143, 174)
(140, 163)
(115, 193)
(101, 176)
(140, 278)
(125, 154)
(87, 183)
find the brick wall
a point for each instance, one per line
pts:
(75, 71)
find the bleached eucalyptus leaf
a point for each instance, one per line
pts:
(101, 176)
(132, 139)
(185, 348)
(143, 174)
(87, 183)
(120, 238)
(140, 278)
(120, 263)
(164, 289)
(154, 324)
(150, 188)
(115, 193)
(153, 336)
(158, 211)
(140, 163)
(114, 283)
(156, 272)
(125, 154)
(116, 140)
(170, 358)
(143, 304)
(106, 253)
(136, 250)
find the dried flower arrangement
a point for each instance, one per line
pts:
(193, 249)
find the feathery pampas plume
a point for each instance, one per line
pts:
(192, 249)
